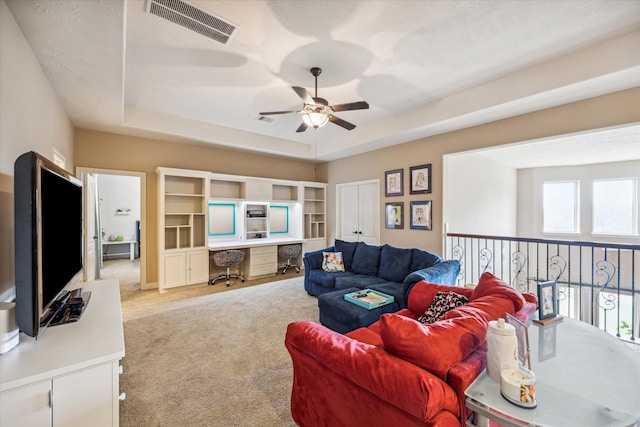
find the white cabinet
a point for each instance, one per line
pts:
(314, 200)
(263, 261)
(182, 227)
(27, 406)
(181, 268)
(69, 376)
(358, 212)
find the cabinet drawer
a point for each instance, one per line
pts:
(263, 259)
(264, 250)
(263, 269)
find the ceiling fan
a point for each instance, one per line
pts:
(317, 111)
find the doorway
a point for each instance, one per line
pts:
(115, 225)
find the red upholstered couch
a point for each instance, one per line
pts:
(398, 372)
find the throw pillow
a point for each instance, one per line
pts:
(332, 262)
(492, 285)
(442, 302)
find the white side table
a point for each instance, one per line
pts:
(584, 377)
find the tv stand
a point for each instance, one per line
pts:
(69, 376)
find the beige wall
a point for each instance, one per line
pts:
(128, 153)
(31, 119)
(609, 110)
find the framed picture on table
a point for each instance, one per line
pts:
(393, 183)
(547, 300)
(522, 334)
(420, 179)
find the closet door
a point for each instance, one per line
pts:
(358, 212)
(349, 215)
(368, 213)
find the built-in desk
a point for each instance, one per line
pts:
(261, 256)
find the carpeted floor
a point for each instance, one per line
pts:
(210, 356)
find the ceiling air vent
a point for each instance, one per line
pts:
(198, 20)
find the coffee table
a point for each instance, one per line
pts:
(584, 377)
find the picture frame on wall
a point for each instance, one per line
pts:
(547, 300)
(420, 179)
(394, 183)
(420, 215)
(394, 214)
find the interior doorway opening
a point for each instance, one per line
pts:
(115, 226)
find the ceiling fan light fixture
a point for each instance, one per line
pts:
(315, 120)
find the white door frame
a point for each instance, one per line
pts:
(376, 213)
(82, 171)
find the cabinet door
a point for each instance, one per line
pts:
(173, 267)
(26, 406)
(85, 398)
(197, 267)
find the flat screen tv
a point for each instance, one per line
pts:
(48, 237)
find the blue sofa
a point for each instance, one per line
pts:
(385, 268)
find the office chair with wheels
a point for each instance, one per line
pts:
(228, 259)
(289, 253)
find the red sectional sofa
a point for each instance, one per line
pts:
(397, 371)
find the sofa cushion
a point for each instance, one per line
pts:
(326, 279)
(491, 285)
(441, 304)
(396, 290)
(487, 308)
(422, 259)
(394, 263)
(348, 249)
(435, 347)
(332, 261)
(366, 260)
(360, 281)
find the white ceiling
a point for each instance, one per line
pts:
(425, 67)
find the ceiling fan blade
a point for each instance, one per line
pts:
(343, 123)
(303, 94)
(360, 105)
(303, 126)
(268, 113)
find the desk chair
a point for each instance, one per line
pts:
(289, 252)
(228, 259)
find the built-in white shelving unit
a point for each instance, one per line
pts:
(184, 256)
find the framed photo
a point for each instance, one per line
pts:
(394, 215)
(522, 334)
(420, 215)
(420, 179)
(547, 300)
(547, 342)
(394, 183)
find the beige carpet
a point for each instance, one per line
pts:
(210, 356)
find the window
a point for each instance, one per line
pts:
(560, 207)
(613, 206)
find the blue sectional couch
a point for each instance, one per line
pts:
(385, 268)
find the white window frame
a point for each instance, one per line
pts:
(576, 210)
(634, 208)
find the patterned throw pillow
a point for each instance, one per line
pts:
(332, 262)
(442, 302)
